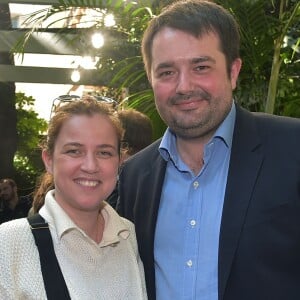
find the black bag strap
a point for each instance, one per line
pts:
(54, 282)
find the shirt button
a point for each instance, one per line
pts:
(196, 184)
(189, 263)
(193, 223)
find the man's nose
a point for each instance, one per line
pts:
(185, 83)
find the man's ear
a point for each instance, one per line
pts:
(48, 161)
(235, 70)
(149, 74)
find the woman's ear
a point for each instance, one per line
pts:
(47, 159)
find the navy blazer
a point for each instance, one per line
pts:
(259, 244)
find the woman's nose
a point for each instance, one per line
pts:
(90, 163)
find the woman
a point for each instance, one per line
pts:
(95, 248)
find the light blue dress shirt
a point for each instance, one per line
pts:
(188, 225)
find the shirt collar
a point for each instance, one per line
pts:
(115, 228)
(225, 130)
(167, 147)
(56, 216)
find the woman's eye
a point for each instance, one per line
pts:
(105, 154)
(73, 151)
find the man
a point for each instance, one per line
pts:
(11, 206)
(216, 202)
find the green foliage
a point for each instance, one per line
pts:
(144, 101)
(256, 51)
(263, 23)
(30, 128)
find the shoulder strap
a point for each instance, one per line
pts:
(54, 282)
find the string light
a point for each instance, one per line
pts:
(75, 76)
(97, 40)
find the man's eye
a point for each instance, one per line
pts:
(165, 73)
(202, 68)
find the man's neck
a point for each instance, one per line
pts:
(191, 152)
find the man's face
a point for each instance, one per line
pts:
(6, 191)
(192, 88)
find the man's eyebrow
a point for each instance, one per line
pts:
(164, 65)
(202, 59)
(195, 60)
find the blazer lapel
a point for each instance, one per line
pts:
(245, 162)
(146, 210)
(152, 181)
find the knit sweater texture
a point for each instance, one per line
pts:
(110, 270)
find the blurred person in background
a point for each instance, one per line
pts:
(12, 206)
(138, 134)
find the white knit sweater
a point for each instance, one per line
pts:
(111, 270)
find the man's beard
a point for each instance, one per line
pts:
(190, 130)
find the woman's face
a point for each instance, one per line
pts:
(85, 162)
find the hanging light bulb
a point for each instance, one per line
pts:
(75, 76)
(97, 40)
